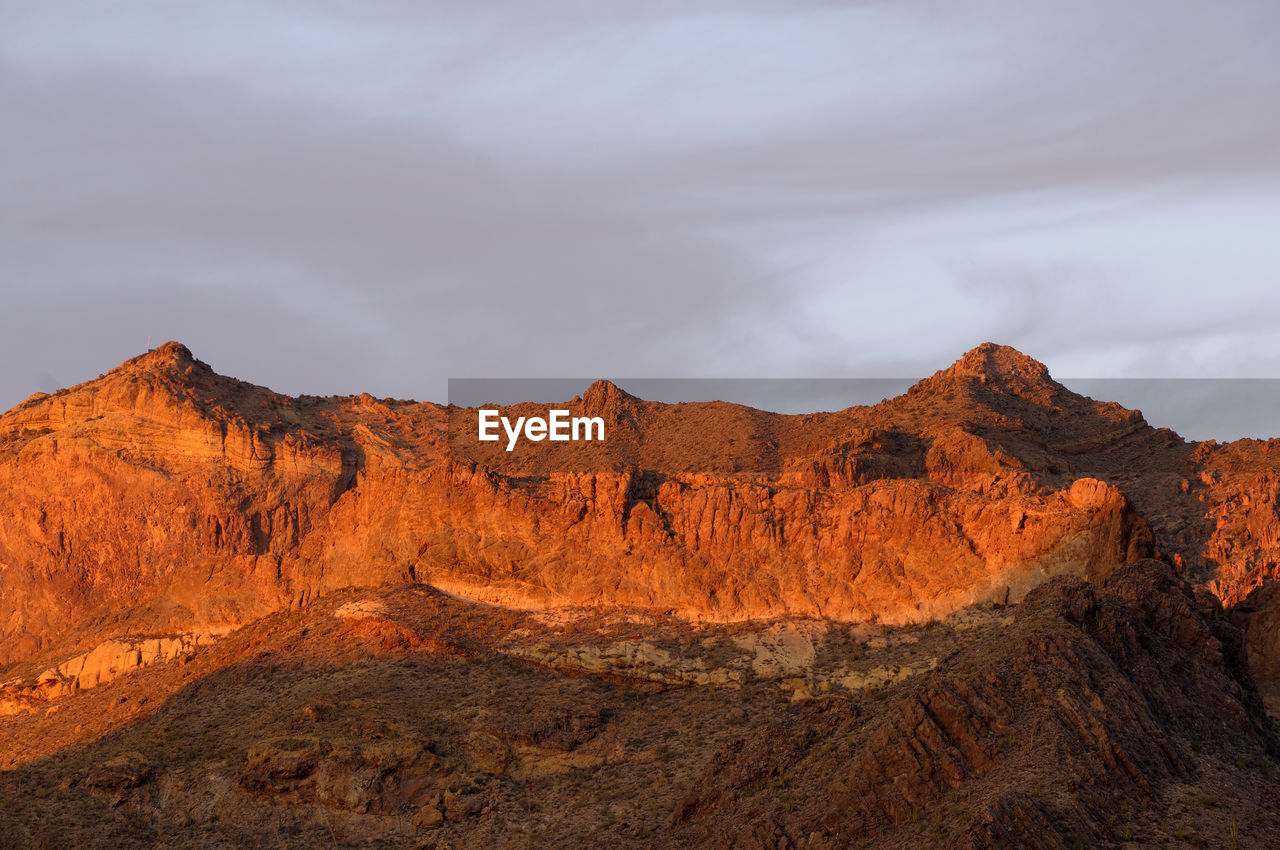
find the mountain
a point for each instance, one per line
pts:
(883, 597)
(181, 501)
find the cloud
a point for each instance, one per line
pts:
(417, 255)
(343, 197)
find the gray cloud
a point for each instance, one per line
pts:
(343, 197)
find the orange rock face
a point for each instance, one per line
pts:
(164, 498)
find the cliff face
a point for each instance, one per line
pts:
(216, 620)
(164, 498)
(159, 485)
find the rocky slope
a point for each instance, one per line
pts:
(1131, 690)
(163, 498)
(1118, 714)
(234, 618)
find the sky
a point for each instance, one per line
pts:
(336, 197)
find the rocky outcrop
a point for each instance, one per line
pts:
(897, 550)
(354, 774)
(102, 664)
(186, 501)
(163, 498)
(1258, 617)
(1098, 693)
(1108, 713)
(1239, 489)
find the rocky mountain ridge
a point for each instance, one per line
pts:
(986, 613)
(164, 499)
(182, 501)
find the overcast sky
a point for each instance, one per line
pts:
(334, 197)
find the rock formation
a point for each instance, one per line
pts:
(1102, 714)
(1118, 691)
(995, 613)
(183, 501)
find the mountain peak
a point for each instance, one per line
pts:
(992, 362)
(1000, 369)
(606, 398)
(170, 355)
(606, 391)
